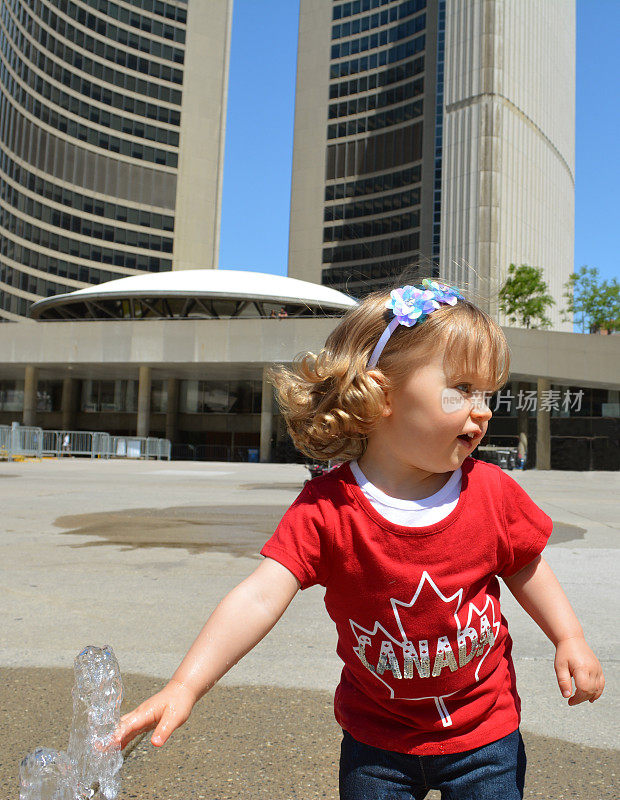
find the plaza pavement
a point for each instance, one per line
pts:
(137, 554)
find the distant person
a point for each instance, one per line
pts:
(273, 314)
(282, 313)
(66, 444)
(409, 536)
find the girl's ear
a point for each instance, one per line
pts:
(379, 378)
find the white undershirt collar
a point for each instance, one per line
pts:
(396, 502)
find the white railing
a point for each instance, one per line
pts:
(5, 439)
(100, 446)
(75, 443)
(22, 441)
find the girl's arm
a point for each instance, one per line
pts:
(239, 622)
(539, 592)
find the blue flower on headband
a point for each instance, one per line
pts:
(409, 304)
(445, 293)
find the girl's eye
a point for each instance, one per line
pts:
(464, 384)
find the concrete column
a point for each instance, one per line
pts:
(30, 396)
(69, 404)
(266, 419)
(543, 428)
(144, 402)
(172, 409)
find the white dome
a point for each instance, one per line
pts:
(211, 284)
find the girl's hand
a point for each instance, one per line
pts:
(574, 658)
(165, 711)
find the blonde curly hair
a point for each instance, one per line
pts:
(331, 401)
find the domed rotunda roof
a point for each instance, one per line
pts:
(194, 294)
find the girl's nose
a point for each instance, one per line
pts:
(479, 403)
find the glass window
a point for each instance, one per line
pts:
(220, 397)
(159, 397)
(90, 396)
(215, 396)
(188, 397)
(49, 395)
(112, 396)
(240, 397)
(11, 395)
(107, 396)
(609, 405)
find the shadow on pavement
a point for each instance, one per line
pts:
(255, 743)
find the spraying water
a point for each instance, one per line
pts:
(93, 760)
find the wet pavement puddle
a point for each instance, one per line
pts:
(238, 530)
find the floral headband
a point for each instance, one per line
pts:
(410, 305)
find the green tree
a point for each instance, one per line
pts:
(524, 297)
(596, 305)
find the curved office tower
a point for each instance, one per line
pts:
(112, 118)
(438, 134)
(366, 125)
(508, 172)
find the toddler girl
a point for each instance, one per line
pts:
(408, 536)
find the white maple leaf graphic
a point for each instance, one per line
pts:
(481, 615)
(410, 657)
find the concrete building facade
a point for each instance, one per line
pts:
(508, 164)
(101, 105)
(201, 384)
(434, 132)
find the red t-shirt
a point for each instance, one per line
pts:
(426, 651)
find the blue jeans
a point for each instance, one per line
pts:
(494, 771)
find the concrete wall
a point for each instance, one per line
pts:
(508, 144)
(508, 167)
(203, 130)
(309, 146)
(239, 348)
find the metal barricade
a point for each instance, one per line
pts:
(102, 445)
(27, 442)
(128, 447)
(5, 441)
(149, 447)
(67, 443)
(22, 441)
(504, 457)
(51, 443)
(152, 447)
(140, 447)
(80, 443)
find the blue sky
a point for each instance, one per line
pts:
(259, 137)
